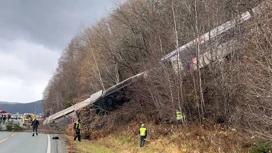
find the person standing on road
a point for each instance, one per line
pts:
(143, 134)
(35, 123)
(4, 119)
(77, 127)
(9, 116)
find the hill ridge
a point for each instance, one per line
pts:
(14, 107)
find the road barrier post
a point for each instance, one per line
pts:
(71, 142)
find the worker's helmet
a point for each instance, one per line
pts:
(142, 125)
(78, 120)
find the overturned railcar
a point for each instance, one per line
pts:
(101, 101)
(179, 57)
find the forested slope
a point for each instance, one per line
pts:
(235, 90)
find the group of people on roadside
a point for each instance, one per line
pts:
(34, 123)
(142, 130)
(4, 118)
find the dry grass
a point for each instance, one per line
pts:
(193, 139)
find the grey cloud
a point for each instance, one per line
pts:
(49, 22)
(25, 72)
(29, 68)
(32, 35)
(35, 56)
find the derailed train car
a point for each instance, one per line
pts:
(215, 51)
(101, 101)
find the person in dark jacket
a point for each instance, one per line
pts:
(4, 119)
(9, 116)
(77, 127)
(143, 134)
(35, 123)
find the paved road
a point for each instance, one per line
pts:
(23, 142)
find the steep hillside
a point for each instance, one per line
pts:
(32, 107)
(233, 91)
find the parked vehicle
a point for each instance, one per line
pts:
(14, 116)
(27, 119)
(20, 116)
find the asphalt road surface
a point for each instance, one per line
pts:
(24, 142)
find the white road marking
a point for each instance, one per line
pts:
(48, 144)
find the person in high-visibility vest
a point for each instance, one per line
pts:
(77, 127)
(29, 119)
(179, 117)
(143, 134)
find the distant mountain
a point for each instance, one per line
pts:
(4, 102)
(11, 107)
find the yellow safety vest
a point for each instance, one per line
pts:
(78, 125)
(142, 131)
(179, 115)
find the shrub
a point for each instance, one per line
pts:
(69, 130)
(17, 127)
(261, 148)
(9, 126)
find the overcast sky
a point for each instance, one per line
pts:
(33, 34)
